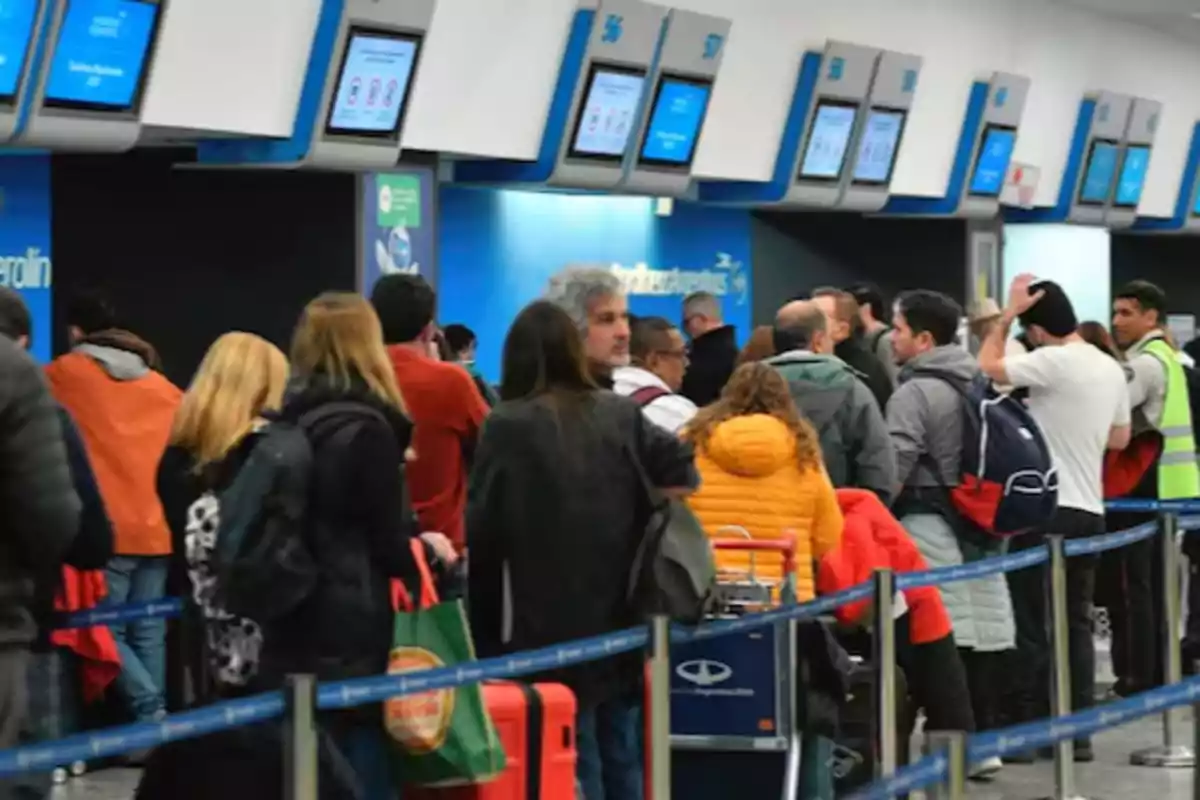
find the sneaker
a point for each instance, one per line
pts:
(986, 770)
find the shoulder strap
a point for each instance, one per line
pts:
(648, 394)
(876, 336)
(955, 382)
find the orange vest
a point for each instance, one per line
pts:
(125, 426)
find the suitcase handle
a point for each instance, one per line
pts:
(785, 546)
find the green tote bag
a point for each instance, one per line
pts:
(443, 737)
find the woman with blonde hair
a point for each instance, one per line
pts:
(359, 524)
(761, 470)
(239, 382)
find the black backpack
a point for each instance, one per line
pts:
(263, 563)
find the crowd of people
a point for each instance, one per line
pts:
(839, 425)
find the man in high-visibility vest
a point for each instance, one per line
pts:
(1158, 393)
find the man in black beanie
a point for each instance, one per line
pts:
(1078, 397)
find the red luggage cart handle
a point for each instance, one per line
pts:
(785, 547)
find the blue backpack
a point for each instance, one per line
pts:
(1008, 484)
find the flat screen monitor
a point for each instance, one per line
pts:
(1196, 202)
(1099, 172)
(100, 57)
(607, 114)
(675, 121)
(1133, 176)
(991, 164)
(877, 146)
(373, 84)
(828, 139)
(16, 31)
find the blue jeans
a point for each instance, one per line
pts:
(142, 643)
(609, 743)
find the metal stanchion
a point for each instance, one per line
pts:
(1170, 753)
(954, 744)
(300, 738)
(660, 707)
(1060, 695)
(884, 656)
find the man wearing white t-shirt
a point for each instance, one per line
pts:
(1078, 396)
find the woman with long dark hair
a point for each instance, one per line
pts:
(555, 512)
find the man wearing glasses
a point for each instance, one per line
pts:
(658, 363)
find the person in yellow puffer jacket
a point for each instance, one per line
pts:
(760, 469)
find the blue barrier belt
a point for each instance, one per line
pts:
(1153, 506)
(975, 569)
(917, 775)
(813, 608)
(111, 615)
(1109, 541)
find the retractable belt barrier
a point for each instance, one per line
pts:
(344, 694)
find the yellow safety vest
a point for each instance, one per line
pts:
(1178, 473)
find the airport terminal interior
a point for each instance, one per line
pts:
(751, 167)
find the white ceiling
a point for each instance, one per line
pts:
(1169, 16)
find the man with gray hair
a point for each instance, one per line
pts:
(714, 349)
(595, 299)
(854, 438)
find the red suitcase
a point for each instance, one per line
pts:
(536, 724)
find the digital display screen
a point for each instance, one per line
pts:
(675, 121)
(877, 147)
(100, 56)
(1133, 176)
(991, 165)
(828, 139)
(372, 86)
(1100, 170)
(606, 117)
(16, 30)
(1196, 202)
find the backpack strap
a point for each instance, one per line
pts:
(876, 336)
(648, 394)
(958, 384)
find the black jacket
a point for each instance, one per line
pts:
(358, 531)
(711, 361)
(554, 499)
(40, 508)
(854, 351)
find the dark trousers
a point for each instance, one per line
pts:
(1130, 575)
(1030, 598)
(985, 678)
(937, 681)
(14, 688)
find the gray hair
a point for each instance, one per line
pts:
(705, 303)
(576, 289)
(799, 322)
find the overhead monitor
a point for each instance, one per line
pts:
(991, 164)
(99, 60)
(1196, 202)
(877, 146)
(1134, 166)
(1099, 171)
(828, 140)
(607, 114)
(373, 84)
(16, 31)
(675, 121)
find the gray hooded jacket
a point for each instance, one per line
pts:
(854, 438)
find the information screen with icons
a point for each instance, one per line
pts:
(877, 148)
(1099, 173)
(828, 140)
(373, 84)
(991, 165)
(608, 113)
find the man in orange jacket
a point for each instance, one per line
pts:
(124, 409)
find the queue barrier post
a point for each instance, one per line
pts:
(1060, 689)
(954, 745)
(300, 756)
(660, 707)
(884, 657)
(1170, 753)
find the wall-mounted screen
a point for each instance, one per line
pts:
(1196, 202)
(1134, 166)
(877, 146)
(373, 83)
(16, 30)
(1099, 172)
(100, 57)
(607, 114)
(675, 121)
(991, 164)
(828, 140)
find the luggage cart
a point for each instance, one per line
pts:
(734, 698)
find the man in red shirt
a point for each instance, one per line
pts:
(443, 402)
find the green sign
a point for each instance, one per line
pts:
(399, 201)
